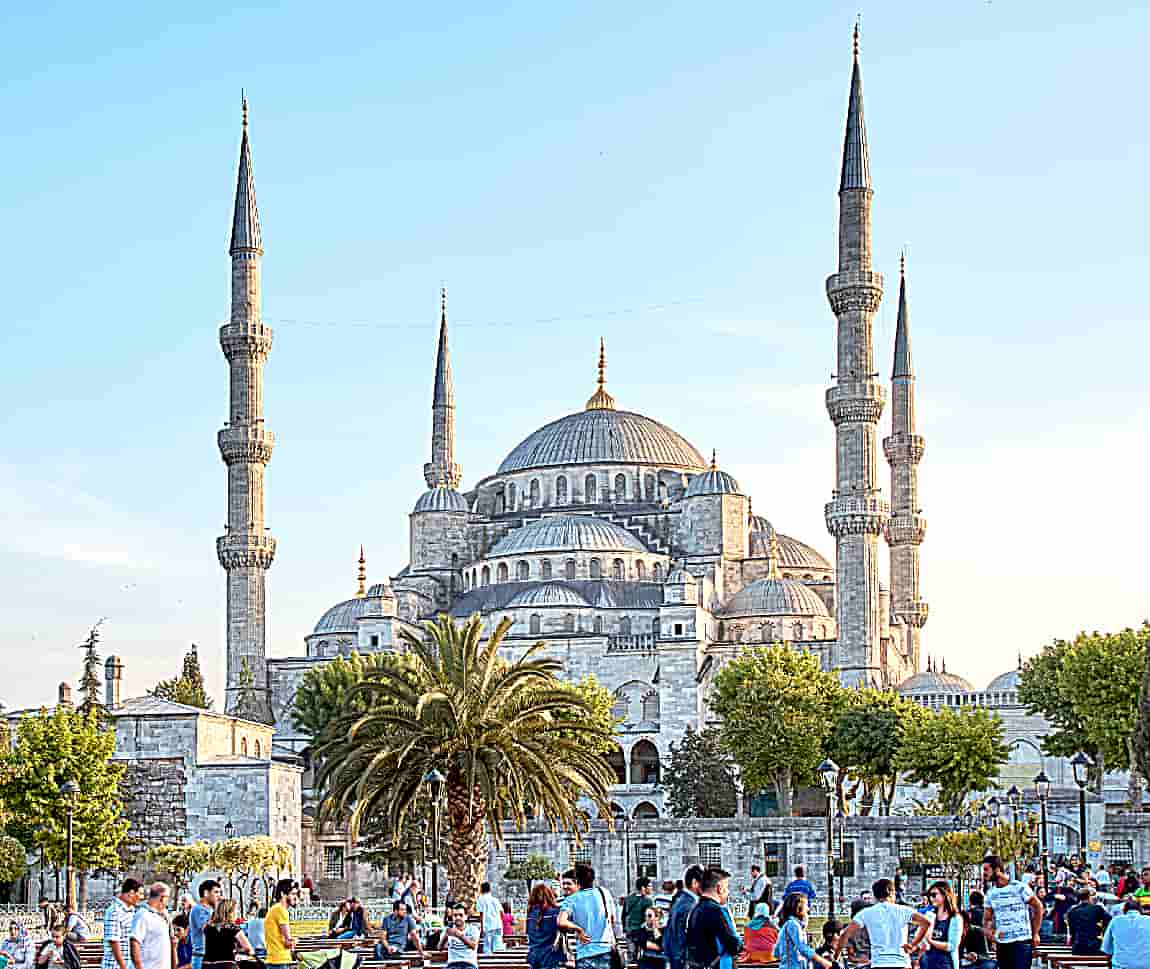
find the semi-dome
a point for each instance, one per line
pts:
(567, 533)
(793, 554)
(604, 436)
(713, 482)
(1005, 682)
(548, 594)
(441, 498)
(775, 597)
(934, 681)
(341, 617)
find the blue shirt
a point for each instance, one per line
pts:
(254, 930)
(541, 931)
(590, 909)
(802, 886)
(675, 937)
(1127, 941)
(793, 950)
(198, 917)
(118, 922)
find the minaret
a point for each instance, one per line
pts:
(246, 548)
(906, 528)
(856, 513)
(442, 470)
(361, 576)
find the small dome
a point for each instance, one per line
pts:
(934, 681)
(713, 482)
(793, 554)
(341, 617)
(1005, 682)
(775, 597)
(381, 590)
(565, 533)
(441, 498)
(549, 594)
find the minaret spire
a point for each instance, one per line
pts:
(441, 470)
(247, 548)
(856, 514)
(904, 449)
(601, 400)
(361, 578)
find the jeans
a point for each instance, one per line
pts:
(349, 934)
(634, 945)
(492, 941)
(1015, 955)
(594, 962)
(197, 960)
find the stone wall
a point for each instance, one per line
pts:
(153, 791)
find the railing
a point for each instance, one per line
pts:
(637, 643)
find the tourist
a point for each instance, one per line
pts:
(199, 916)
(1086, 923)
(664, 896)
(307, 890)
(1127, 883)
(635, 908)
(151, 941)
(974, 952)
(460, 940)
(544, 947)
(1127, 938)
(339, 920)
(18, 948)
(567, 884)
(758, 885)
(1142, 892)
(223, 937)
(832, 929)
(766, 897)
(75, 928)
(1012, 918)
(590, 914)
(651, 940)
(118, 918)
(53, 953)
(277, 926)
(886, 925)
(49, 911)
(792, 948)
(858, 945)
(487, 905)
(398, 932)
(945, 938)
(675, 935)
(254, 930)
(357, 927)
(759, 936)
(711, 940)
(1102, 878)
(183, 941)
(800, 884)
(508, 918)
(187, 903)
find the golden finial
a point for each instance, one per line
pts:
(244, 104)
(601, 400)
(361, 589)
(714, 459)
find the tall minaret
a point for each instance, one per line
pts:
(856, 513)
(246, 548)
(442, 469)
(906, 528)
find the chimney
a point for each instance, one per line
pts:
(65, 695)
(113, 673)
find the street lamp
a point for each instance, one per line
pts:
(1081, 764)
(69, 791)
(994, 805)
(840, 847)
(1014, 798)
(1042, 789)
(423, 826)
(229, 831)
(966, 820)
(435, 782)
(828, 772)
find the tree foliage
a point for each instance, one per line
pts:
(13, 859)
(963, 848)
(328, 693)
(959, 750)
(777, 707)
(700, 777)
(50, 748)
(1040, 691)
(240, 860)
(534, 868)
(182, 861)
(508, 735)
(188, 687)
(90, 684)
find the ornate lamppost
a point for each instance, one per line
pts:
(435, 782)
(69, 791)
(828, 772)
(1081, 763)
(1042, 789)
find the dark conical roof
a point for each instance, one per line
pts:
(903, 367)
(246, 219)
(856, 161)
(444, 395)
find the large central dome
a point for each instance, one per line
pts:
(603, 436)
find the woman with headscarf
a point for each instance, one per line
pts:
(760, 936)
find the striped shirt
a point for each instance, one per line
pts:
(118, 921)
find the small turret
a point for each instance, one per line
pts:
(64, 695)
(113, 676)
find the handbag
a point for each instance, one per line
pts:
(609, 935)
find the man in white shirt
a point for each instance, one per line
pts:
(1012, 916)
(488, 906)
(460, 940)
(885, 923)
(1102, 877)
(758, 886)
(151, 943)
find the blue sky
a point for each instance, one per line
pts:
(660, 174)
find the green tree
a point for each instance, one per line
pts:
(188, 687)
(959, 750)
(50, 748)
(328, 693)
(13, 859)
(700, 777)
(508, 735)
(533, 868)
(90, 679)
(777, 707)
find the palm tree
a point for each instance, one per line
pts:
(510, 737)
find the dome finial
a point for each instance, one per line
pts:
(244, 106)
(361, 588)
(858, 21)
(601, 400)
(714, 459)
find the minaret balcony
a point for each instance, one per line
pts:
(904, 448)
(855, 290)
(246, 444)
(856, 515)
(905, 530)
(246, 339)
(245, 550)
(913, 613)
(856, 402)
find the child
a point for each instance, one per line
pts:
(51, 954)
(508, 920)
(651, 936)
(183, 941)
(831, 932)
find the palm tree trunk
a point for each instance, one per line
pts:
(467, 853)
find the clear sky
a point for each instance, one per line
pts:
(660, 174)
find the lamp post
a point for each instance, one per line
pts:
(423, 827)
(1081, 764)
(435, 782)
(1042, 789)
(840, 847)
(828, 772)
(229, 831)
(69, 791)
(994, 806)
(1014, 798)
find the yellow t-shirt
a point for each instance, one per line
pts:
(278, 953)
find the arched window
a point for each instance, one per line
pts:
(657, 572)
(644, 763)
(487, 575)
(649, 487)
(455, 560)
(522, 571)
(561, 490)
(244, 746)
(257, 748)
(590, 489)
(535, 624)
(500, 502)
(511, 489)
(597, 624)
(618, 764)
(645, 811)
(620, 487)
(569, 569)
(798, 630)
(501, 572)
(534, 492)
(640, 571)
(569, 622)
(625, 626)
(545, 569)
(621, 707)
(596, 569)
(618, 569)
